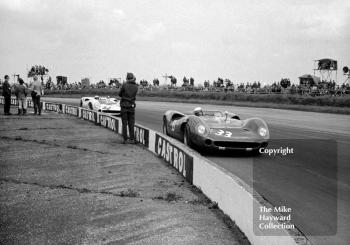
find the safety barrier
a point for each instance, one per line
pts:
(234, 197)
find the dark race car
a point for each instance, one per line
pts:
(216, 130)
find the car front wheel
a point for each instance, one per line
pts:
(187, 137)
(165, 130)
(256, 152)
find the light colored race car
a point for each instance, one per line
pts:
(101, 104)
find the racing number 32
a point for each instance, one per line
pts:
(224, 133)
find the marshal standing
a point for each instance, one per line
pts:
(128, 96)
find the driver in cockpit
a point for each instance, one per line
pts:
(198, 111)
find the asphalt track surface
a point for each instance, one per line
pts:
(314, 182)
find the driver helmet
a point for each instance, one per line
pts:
(198, 111)
(96, 97)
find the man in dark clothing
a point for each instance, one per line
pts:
(21, 94)
(6, 92)
(128, 96)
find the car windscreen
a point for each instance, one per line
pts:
(213, 114)
(106, 101)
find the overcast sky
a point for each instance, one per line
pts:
(241, 40)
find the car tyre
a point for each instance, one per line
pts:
(187, 137)
(81, 103)
(256, 152)
(90, 106)
(165, 129)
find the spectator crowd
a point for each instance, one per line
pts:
(284, 86)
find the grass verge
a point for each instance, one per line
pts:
(327, 104)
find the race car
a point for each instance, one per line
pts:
(216, 130)
(101, 104)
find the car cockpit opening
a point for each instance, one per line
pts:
(176, 116)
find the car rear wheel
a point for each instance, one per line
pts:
(90, 106)
(165, 130)
(187, 137)
(81, 103)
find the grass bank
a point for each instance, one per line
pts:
(329, 104)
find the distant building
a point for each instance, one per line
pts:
(309, 80)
